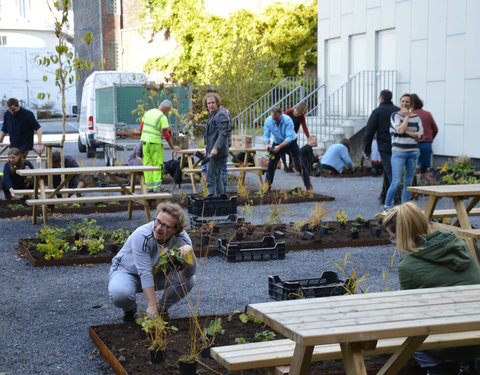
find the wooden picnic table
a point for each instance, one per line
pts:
(242, 165)
(356, 322)
(128, 193)
(459, 194)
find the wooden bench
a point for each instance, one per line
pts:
(440, 214)
(108, 189)
(460, 232)
(229, 169)
(277, 355)
(106, 198)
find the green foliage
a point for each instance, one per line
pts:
(157, 331)
(240, 340)
(16, 207)
(171, 257)
(51, 243)
(119, 236)
(214, 327)
(244, 53)
(341, 217)
(244, 318)
(361, 219)
(265, 335)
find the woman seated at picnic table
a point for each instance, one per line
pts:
(11, 180)
(337, 156)
(70, 162)
(132, 269)
(432, 260)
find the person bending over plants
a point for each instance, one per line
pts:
(433, 259)
(133, 268)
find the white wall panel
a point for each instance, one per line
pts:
(359, 16)
(388, 14)
(437, 30)
(403, 37)
(418, 68)
(419, 19)
(472, 41)
(335, 18)
(456, 20)
(434, 101)
(347, 6)
(454, 83)
(323, 9)
(471, 128)
(373, 19)
(373, 3)
(453, 140)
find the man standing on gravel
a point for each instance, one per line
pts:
(379, 124)
(20, 124)
(132, 268)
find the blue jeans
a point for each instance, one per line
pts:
(401, 160)
(425, 160)
(214, 175)
(224, 174)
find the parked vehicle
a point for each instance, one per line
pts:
(87, 122)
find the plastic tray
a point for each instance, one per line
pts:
(214, 206)
(267, 249)
(326, 285)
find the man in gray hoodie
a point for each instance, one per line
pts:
(132, 268)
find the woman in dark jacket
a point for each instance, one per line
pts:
(12, 180)
(297, 115)
(433, 260)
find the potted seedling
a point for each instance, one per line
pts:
(375, 229)
(157, 331)
(206, 233)
(209, 333)
(341, 219)
(307, 235)
(241, 232)
(317, 215)
(362, 220)
(323, 230)
(354, 232)
(250, 229)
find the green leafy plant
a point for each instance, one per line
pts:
(157, 331)
(318, 214)
(341, 217)
(171, 257)
(51, 242)
(119, 236)
(214, 328)
(16, 207)
(244, 318)
(240, 341)
(265, 335)
(361, 219)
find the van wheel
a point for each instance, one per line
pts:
(90, 152)
(81, 146)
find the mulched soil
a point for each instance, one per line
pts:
(128, 344)
(349, 173)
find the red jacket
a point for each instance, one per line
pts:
(289, 112)
(430, 128)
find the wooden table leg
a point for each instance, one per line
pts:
(133, 177)
(430, 208)
(302, 356)
(462, 217)
(44, 206)
(48, 153)
(192, 176)
(146, 206)
(402, 355)
(35, 196)
(353, 358)
(259, 173)
(471, 205)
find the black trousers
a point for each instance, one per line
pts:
(294, 152)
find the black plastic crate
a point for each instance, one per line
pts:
(212, 206)
(267, 249)
(197, 221)
(326, 285)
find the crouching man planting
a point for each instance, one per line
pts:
(132, 269)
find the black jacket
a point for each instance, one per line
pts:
(379, 123)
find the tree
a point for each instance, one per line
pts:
(66, 65)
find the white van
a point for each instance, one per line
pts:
(87, 130)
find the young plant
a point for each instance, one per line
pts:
(51, 242)
(361, 219)
(214, 328)
(318, 214)
(240, 341)
(244, 318)
(16, 207)
(119, 236)
(171, 258)
(341, 217)
(352, 282)
(203, 184)
(157, 331)
(265, 336)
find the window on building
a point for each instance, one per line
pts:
(113, 7)
(113, 56)
(3, 40)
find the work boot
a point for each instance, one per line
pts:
(429, 178)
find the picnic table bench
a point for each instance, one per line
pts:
(40, 197)
(241, 166)
(397, 321)
(459, 194)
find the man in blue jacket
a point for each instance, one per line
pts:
(284, 141)
(20, 124)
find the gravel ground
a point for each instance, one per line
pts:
(45, 312)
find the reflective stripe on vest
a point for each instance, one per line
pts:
(151, 131)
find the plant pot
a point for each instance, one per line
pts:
(342, 225)
(205, 353)
(354, 234)
(187, 368)
(323, 231)
(278, 234)
(375, 231)
(305, 227)
(157, 356)
(307, 235)
(239, 236)
(216, 229)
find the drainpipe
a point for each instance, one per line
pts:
(101, 30)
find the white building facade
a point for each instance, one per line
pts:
(26, 33)
(434, 45)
